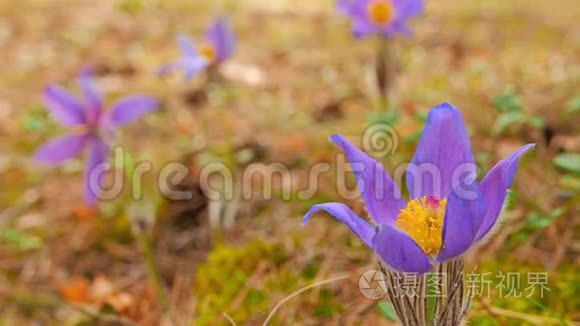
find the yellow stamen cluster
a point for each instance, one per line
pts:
(381, 12)
(208, 51)
(422, 220)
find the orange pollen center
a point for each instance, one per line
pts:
(381, 12)
(422, 220)
(208, 52)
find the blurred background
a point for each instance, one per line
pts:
(296, 77)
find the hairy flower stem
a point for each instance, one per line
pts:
(432, 299)
(148, 254)
(384, 71)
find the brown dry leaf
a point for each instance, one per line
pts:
(322, 156)
(567, 143)
(75, 290)
(84, 213)
(121, 302)
(408, 128)
(505, 147)
(185, 123)
(101, 289)
(295, 143)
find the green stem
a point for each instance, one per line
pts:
(148, 254)
(384, 72)
(229, 140)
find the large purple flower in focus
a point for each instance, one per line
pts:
(217, 46)
(447, 212)
(90, 126)
(383, 17)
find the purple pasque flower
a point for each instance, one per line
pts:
(90, 126)
(191, 62)
(217, 46)
(220, 41)
(383, 17)
(447, 212)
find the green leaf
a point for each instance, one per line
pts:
(421, 116)
(387, 310)
(508, 102)
(538, 221)
(507, 119)
(536, 122)
(574, 104)
(569, 162)
(390, 118)
(413, 138)
(32, 124)
(254, 297)
(22, 240)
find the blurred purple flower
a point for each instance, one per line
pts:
(218, 46)
(383, 17)
(89, 125)
(220, 41)
(445, 215)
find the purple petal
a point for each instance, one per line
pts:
(170, 67)
(94, 174)
(397, 28)
(130, 108)
(60, 149)
(362, 28)
(406, 9)
(357, 10)
(223, 38)
(398, 251)
(186, 46)
(344, 214)
(345, 6)
(64, 106)
(93, 98)
(190, 66)
(443, 159)
(465, 210)
(494, 189)
(381, 195)
(193, 66)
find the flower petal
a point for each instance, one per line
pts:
(93, 98)
(64, 106)
(494, 189)
(397, 28)
(223, 38)
(130, 108)
(190, 66)
(464, 213)
(60, 149)
(443, 159)
(344, 214)
(381, 195)
(94, 174)
(169, 67)
(406, 9)
(345, 6)
(186, 46)
(193, 66)
(362, 28)
(399, 252)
